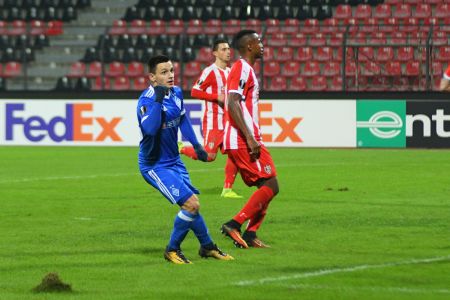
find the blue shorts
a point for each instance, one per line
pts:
(173, 182)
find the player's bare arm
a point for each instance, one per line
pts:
(236, 113)
(445, 85)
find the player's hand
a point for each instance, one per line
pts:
(160, 93)
(201, 153)
(255, 148)
(221, 100)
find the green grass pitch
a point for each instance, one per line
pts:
(347, 224)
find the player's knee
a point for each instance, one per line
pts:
(192, 205)
(272, 183)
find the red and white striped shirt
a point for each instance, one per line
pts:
(242, 80)
(447, 73)
(208, 87)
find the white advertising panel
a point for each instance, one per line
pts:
(284, 123)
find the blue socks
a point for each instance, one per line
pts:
(185, 221)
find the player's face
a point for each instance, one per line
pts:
(223, 52)
(164, 75)
(256, 46)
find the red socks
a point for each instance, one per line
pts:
(257, 204)
(230, 174)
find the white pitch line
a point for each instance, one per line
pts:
(369, 288)
(319, 273)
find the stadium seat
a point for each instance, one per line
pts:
(310, 26)
(101, 83)
(331, 68)
(437, 68)
(284, 54)
(390, 25)
(192, 69)
(370, 25)
(382, 11)
(317, 39)
(156, 27)
(401, 83)
(123, 41)
(188, 13)
(205, 55)
(297, 84)
(343, 11)
(207, 13)
(121, 83)
(370, 68)
(442, 11)
(377, 38)
(213, 27)
(357, 37)
(268, 53)
(285, 12)
(405, 53)
(232, 27)
(303, 54)
(276, 84)
(363, 11)
(393, 68)
(272, 26)
(82, 84)
(365, 53)
(323, 53)
(398, 38)
(253, 24)
(37, 27)
(336, 84)
(290, 69)
(384, 54)
(298, 40)
(412, 68)
(323, 12)
(318, 83)
(409, 25)
(94, 69)
(329, 25)
(119, 27)
(135, 69)
(137, 27)
(265, 13)
(140, 83)
(115, 69)
(443, 54)
(17, 27)
(336, 39)
(291, 26)
(271, 69)
(312, 68)
(304, 12)
(77, 69)
(350, 68)
(12, 69)
(402, 11)
(277, 40)
(195, 26)
(423, 11)
(175, 27)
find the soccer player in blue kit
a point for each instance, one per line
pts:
(160, 112)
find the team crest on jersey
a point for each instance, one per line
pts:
(268, 169)
(242, 83)
(175, 191)
(211, 145)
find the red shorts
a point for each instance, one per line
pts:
(253, 170)
(213, 140)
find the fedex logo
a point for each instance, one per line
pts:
(287, 127)
(75, 125)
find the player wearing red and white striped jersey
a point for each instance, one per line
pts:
(445, 81)
(243, 143)
(211, 88)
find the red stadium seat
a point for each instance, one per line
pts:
(304, 54)
(357, 37)
(390, 25)
(277, 40)
(271, 69)
(115, 69)
(298, 40)
(418, 37)
(412, 68)
(377, 38)
(350, 68)
(176, 69)
(140, 83)
(291, 26)
(297, 84)
(409, 25)
(350, 55)
(442, 11)
(37, 27)
(205, 55)
(135, 69)
(343, 11)
(365, 53)
(336, 39)
(157, 27)
(273, 26)
(232, 26)
(393, 68)
(318, 83)
(310, 26)
(194, 27)
(363, 11)
(336, 84)
(412, 1)
(121, 83)
(77, 69)
(101, 83)
(330, 25)
(401, 83)
(437, 68)
(268, 53)
(317, 40)
(12, 69)
(352, 24)
(175, 27)
(312, 68)
(54, 28)
(192, 69)
(119, 27)
(137, 27)
(331, 69)
(254, 24)
(94, 69)
(443, 54)
(291, 68)
(423, 11)
(324, 54)
(213, 27)
(284, 54)
(382, 11)
(3, 29)
(384, 54)
(402, 11)
(398, 38)
(405, 53)
(370, 68)
(17, 27)
(276, 84)
(393, 1)
(370, 25)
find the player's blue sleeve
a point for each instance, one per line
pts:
(151, 117)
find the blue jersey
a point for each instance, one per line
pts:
(159, 125)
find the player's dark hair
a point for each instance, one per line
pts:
(240, 40)
(216, 43)
(155, 60)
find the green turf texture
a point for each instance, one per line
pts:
(87, 214)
